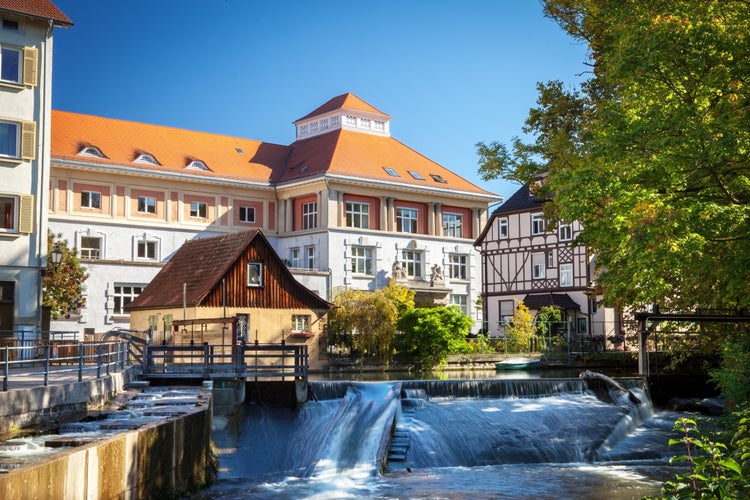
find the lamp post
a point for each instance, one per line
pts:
(56, 256)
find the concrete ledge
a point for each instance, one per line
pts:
(165, 459)
(40, 405)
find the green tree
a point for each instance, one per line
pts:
(546, 319)
(431, 333)
(63, 284)
(369, 318)
(519, 330)
(651, 153)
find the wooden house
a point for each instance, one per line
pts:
(228, 289)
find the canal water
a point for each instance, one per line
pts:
(488, 439)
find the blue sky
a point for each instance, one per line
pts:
(450, 73)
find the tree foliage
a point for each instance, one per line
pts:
(369, 318)
(431, 333)
(520, 329)
(651, 153)
(63, 284)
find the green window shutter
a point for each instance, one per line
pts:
(26, 214)
(28, 140)
(30, 63)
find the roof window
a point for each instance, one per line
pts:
(391, 172)
(438, 178)
(197, 165)
(416, 175)
(146, 158)
(91, 151)
(239, 150)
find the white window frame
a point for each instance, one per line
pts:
(254, 274)
(310, 257)
(502, 228)
(295, 257)
(199, 210)
(538, 269)
(358, 214)
(147, 205)
(147, 250)
(300, 322)
(94, 199)
(126, 294)
(462, 301)
(89, 251)
(310, 215)
(566, 275)
(458, 266)
(453, 224)
(362, 260)
(246, 214)
(4, 53)
(407, 220)
(412, 262)
(565, 232)
(537, 224)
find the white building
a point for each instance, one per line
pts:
(345, 205)
(25, 110)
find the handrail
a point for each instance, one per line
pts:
(45, 359)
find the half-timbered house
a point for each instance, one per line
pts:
(524, 260)
(227, 289)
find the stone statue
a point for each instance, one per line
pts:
(397, 272)
(436, 275)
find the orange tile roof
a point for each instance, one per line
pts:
(357, 154)
(344, 101)
(41, 9)
(123, 141)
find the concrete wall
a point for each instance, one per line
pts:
(36, 405)
(166, 459)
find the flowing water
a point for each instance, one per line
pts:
(453, 439)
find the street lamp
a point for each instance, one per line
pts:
(56, 255)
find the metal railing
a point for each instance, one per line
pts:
(41, 359)
(208, 361)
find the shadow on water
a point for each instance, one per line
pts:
(458, 438)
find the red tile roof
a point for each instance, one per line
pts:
(123, 141)
(356, 154)
(41, 9)
(344, 101)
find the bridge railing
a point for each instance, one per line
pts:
(41, 359)
(209, 361)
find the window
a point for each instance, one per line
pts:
(10, 25)
(146, 158)
(412, 263)
(391, 172)
(310, 257)
(91, 199)
(146, 205)
(197, 165)
(92, 151)
(551, 259)
(254, 274)
(457, 268)
(537, 224)
(461, 301)
(310, 215)
(124, 295)
(416, 175)
(358, 215)
(537, 266)
(361, 261)
(438, 178)
(300, 323)
(406, 220)
(566, 274)
(10, 61)
(502, 227)
(91, 247)
(146, 250)
(9, 139)
(247, 214)
(453, 225)
(16, 212)
(198, 209)
(295, 258)
(565, 232)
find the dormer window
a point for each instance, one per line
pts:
(146, 158)
(197, 165)
(438, 178)
(416, 175)
(91, 151)
(391, 172)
